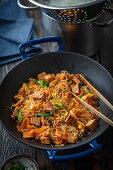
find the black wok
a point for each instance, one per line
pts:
(52, 63)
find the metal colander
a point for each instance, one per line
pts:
(79, 15)
(72, 15)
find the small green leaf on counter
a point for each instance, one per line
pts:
(17, 166)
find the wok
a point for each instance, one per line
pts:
(54, 62)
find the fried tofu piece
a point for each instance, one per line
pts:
(41, 76)
(80, 125)
(75, 89)
(35, 121)
(47, 106)
(82, 129)
(29, 135)
(38, 95)
(70, 120)
(45, 140)
(81, 133)
(91, 125)
(76, 81)
(89, 96)
(49, 77)
(53, 83)
(72, 137)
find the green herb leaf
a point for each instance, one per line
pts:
(20, 119)
(70, 81)
(17, 166)
(59, 96)
(63, 91)
(49, 121)
(45, 115)
(43, 83)
(49, 97)
(68, 72)
(55, 107)
(39, 111)
(61, 105)
(30, 88)
(82, 95)
(65, 117)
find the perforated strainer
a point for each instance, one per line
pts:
(79, 15)
(68, 13)
(72, 15)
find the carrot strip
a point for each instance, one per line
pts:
(83, 115)
(29, 127)
(23, 125)
(58, 133)
(34, 132)
(13, 117)
(18, 127)
(80, 93)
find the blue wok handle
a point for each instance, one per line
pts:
(23, 46)
(95, 146)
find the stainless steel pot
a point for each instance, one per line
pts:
(79, 35)
(82, 38)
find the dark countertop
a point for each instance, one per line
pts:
(103, 160)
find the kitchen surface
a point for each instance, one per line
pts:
(103, 53)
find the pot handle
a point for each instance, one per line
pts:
(25, 7)
(23, 46)
(95, 146)
(107, 23)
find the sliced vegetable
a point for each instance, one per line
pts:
(58, 133)
(33, 132)
(63, 91)
(49, 121)
(31, 80)
(68, 72)
(60, 105)
(43, 83)
(82, 95)
(55, 108)
(49, 97)
(23, 125)
(70, 81)
(20, 118)
(65, 117)
(45, 115)
(59, 96)
(90, 91)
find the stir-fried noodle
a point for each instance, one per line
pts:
(47, 111)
